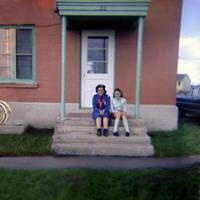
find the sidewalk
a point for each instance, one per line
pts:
(86, 162)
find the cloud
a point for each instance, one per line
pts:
(189, 58)
(189, 48)
(190, 67)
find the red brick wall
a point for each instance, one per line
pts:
(48, 52)
(160, 53)
(161, 41)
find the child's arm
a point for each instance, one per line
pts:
(112, 106)
(125, 106)
(94, 103)
(107, 108)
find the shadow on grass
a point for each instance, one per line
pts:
(33, 130)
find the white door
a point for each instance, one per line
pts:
(97, 61)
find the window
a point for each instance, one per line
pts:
(97, 55)
(16, 54)
(196, 92)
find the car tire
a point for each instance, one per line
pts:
(181, 113)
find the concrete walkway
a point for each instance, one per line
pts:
(86, 162)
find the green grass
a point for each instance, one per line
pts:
(184, 141)
(100, 185)
(33, 142)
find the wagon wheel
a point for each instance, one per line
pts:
(4, 112)
(7, 110)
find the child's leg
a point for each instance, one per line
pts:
(98, 122)
(98, 125)
(116, 123)
(105, 123)
(125, 122)
(105, 126)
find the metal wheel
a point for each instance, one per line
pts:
(7, 110)
(4, 112)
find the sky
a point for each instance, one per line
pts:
(189, 49)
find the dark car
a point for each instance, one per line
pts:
(189, 103)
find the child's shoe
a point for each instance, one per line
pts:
(105, 132)
(116, 134)
(127, 134)
(99, 132)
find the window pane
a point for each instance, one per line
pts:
(4, 34)
(6, 53)
(97, 55)
(4, 72)
(5, 66)
(5, 60)
(195, 92)
(24, 40)
(97, 68)
(97, 42)
(24, 67)
(5, 48)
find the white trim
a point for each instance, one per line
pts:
(111, 49)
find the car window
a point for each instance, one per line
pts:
(196, 92)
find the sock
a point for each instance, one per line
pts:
(125, 122)
(116, 124)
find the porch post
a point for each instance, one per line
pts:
(63, 70)
(139, 66)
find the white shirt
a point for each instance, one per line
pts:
(118, 104)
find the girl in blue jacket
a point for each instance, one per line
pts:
(101, 110)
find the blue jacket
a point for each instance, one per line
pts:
(106, 106)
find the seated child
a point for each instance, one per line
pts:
(118, 109)
(101, 110)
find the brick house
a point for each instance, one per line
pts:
(54, 52)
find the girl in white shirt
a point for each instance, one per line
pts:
(118, 109)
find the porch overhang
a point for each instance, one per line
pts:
(127, 8)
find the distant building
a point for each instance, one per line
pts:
(183, 83)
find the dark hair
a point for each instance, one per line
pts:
(118, 90)
(101, 86)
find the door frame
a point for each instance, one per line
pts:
(84, 35)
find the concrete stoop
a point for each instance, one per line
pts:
(76, 135)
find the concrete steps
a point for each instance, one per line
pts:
(87, 121)
(76, 135)
(92, 138)
(60, 128)
(103, 149)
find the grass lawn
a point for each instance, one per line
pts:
(33, 142)
(184, 141)
(100, 185)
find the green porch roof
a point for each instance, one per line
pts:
(125, 8)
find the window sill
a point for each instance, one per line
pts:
(19, 85)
